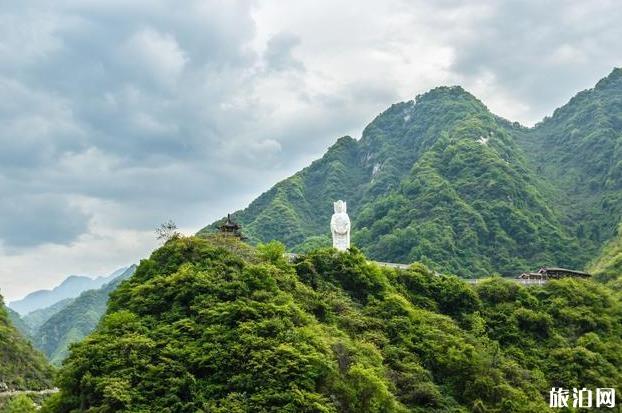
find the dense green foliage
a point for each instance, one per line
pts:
(216, 326)
(21, 366)
(608, 265)
(579, 150)
(18, 404)
(70, 321)
(443, 181)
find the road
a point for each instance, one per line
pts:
(10, 393)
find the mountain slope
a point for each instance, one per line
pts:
(75, 320)
(440, 180)
(295, 209)
(18, 322)
(579, 151)
(35, 319)
(608, 265)
(21, 366)
(469, 203)
(71, 287)
(213, 325)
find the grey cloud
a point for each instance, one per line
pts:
(540, 53)
(136, 112)
(31, 220)
(278, 54)
(112, 102)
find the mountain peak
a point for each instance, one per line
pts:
(440, 93)
(345, 140)
(613, 80)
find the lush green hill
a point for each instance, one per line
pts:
(443, 181)
(35, 319)
(19, 323)
(579, 151)
(74, 320)
(296, 210)
(439, 180)
(213, 325)
(21, 366)
(608, 265)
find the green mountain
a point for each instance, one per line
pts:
(18, 322)
(608, 265)
(35, 319)
(213, 325)
(443, 181)
(21, 366)
(74, 320)
(579, 152)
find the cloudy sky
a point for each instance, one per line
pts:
(117, 115)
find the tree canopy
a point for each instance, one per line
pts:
(213, 325)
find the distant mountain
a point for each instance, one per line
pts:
(18, 322)
(35, 319)
(444, 181)
(21, 366)
(74, 320)
(71, 287)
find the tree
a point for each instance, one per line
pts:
(19, 404)
(167, 231)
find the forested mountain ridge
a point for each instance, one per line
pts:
(607, 266)
(442, 180)
(75, 320)
(18, 322)
(35, 319)
(579, 151)
(21, 366)
(211, 324)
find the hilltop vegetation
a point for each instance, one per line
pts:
(217, 326)
(443, 181)
(21, 366)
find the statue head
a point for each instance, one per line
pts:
(340, 207)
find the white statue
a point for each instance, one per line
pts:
(340, 226)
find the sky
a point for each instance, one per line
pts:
(116, 116)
